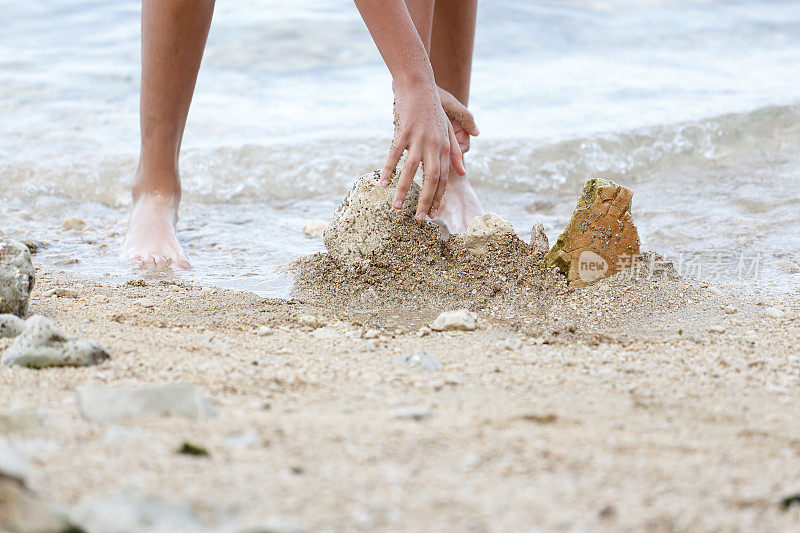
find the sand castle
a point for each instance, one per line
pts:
(379, 254)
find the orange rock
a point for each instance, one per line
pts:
(600, 239)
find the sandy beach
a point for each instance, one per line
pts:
(684, 422)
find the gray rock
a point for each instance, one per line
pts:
(111, 404)
(422, 360)
(462, 319)
(362, 225)
(486, 229)
(16, 277)
(10, 325)
(42, 345)
(539, 241)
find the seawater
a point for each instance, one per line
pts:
(693, 104)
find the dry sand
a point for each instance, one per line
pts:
(620, 411)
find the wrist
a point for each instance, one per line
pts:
(416, 78)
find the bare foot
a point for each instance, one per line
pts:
(459, 206)
(151, 240)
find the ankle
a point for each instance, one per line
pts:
(164, 183)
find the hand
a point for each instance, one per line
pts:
(422, 128)
(461, 119)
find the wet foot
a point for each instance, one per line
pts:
(151, 241)
(459, 206)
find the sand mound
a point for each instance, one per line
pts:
(488, 269)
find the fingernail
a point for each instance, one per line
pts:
(398, 204)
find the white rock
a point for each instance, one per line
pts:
(16, 277)
(41, 345)
(423, 331)
(372, 334)
(772, 312)
(462, 319)
(326, 333)
(716, 329)
(315, 228)
(110, 404)
(10, 325)
(144, 302)
(265, 331)
(362, 225)
(730, 309)
(484, 230)
(422, 360)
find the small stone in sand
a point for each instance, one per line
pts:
(730, 310)
(462, 319)
(315, 228)
(73, 223)
(485, 229)
(423, 331)
(144, 302)
(16, 277)
(310, 321)
(716, 329)
(42, 345)
(772, 312)
(539, 242)
(372, 334)
(422, 360)
(265, 331)
(10, 325)
(413, 413)
(109, 404)
(66, 292)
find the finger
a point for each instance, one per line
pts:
(404, 183)
(467, 122)
(440, 190)
(456, 157)
(395, 153)
(430, 183)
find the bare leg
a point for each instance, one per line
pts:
(452, 40)
(174, 35)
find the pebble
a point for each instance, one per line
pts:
(462, 319)
(73, 223)
(730, 309)
(120, 403)
(372, 334)
(66, 292)
(326, 333)
(42, 345)
(716, 329)
(772, 312)
(265, 331)
(310, 321)
(423, 331)
(315, 228)
(421, 360)
(10, 325)
(416, 413)
(144, 302)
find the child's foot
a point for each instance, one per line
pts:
(151, 240)
(459, 206)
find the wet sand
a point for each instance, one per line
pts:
(657, 422)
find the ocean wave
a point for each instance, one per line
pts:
(282, 172)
